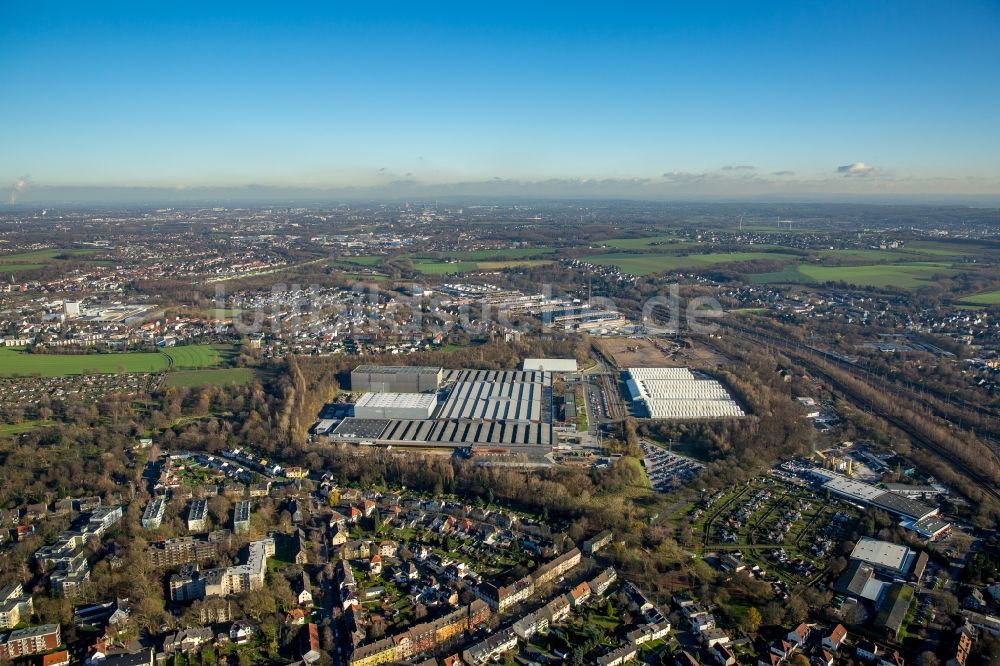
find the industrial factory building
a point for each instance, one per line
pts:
(508, 396)
(676, 393)
(914, 514)
(889, 558)
(444, 433)
(502, 411)
(395, 406)
(395, 379)
(549, 364)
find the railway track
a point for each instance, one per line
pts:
(805, 354)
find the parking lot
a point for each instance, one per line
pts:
(667, 470)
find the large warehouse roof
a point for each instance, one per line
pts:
(398, 369)
(853, 489)
(879, 497)
(404, 400)
(492, 401)
(676, 393)
(501, 376)
(396, 405)
(550, 364)
(883, 554)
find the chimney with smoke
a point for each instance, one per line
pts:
(20, 185)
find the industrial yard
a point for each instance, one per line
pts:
(536, 416)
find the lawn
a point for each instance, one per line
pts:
(196, 356)
(11, 429)
(983, 298)
(217, 377)
(647, 264)
(902, 276)
(18, 363)
(14, 363)
(29, 261)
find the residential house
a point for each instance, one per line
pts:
(835, 638)
(799, 635)
(303, 590)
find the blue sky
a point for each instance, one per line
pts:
(652, 100)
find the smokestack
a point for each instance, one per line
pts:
(20, 185)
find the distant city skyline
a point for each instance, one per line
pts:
(180, 102)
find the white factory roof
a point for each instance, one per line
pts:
(550, 364)
(855, 489)
(383, 400)
(676, 393)
(640, 374)
(882, 554)
(693, 409)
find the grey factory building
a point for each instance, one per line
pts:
(395, 379)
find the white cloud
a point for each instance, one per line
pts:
(856, 169)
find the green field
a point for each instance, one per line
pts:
(486, 255)
(14, 363)
(364, 260)
(637, 243)
(983, 298)
(29, 261)
(647, 264)
(196, 356)
(946, 248)
(902, 276)
(217, 377)
(18, 363)
(365, 277)
(11, 429)
(908, 254)
(444, 268)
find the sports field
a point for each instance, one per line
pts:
(647, 264)
(18, 363)
(901, 276)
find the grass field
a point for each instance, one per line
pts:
(647, 264)
(444, 268)
(902, 276)
(17, 363)
(983, 298)
(195, 356)
(13, 363)
(908, 254)
(635, 243)
(364, 260)
(11, 429)
(29, 261)
(217, 377)
(487, 255)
